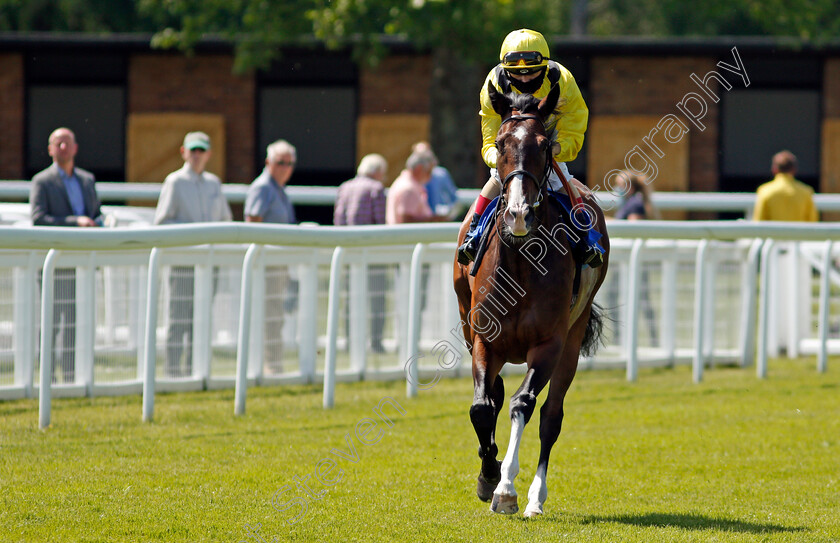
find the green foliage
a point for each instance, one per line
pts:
(733, 459)
(74, 16)
(470, 29)
(808, 19)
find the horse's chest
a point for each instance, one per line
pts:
(516, 317)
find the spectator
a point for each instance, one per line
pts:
(361, 200)
(188, 195)
(64, 195)
(637, 206)
(407, 200)
(267, 201)
(441, 189)
(636, 197)
(784, 198)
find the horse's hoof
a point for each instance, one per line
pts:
(485, 488)
(504, 504)
(533, 511)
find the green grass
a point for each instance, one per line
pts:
(731, 459)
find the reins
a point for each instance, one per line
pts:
(551, 164)
(539, 182)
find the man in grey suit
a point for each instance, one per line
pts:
(64, 195)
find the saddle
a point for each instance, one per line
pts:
(586, 237)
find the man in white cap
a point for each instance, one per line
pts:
(192, 194)
(188, 195)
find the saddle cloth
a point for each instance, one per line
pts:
(586, 237)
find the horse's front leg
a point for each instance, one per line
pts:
(541, 361)
(551, 414)
(489, 394)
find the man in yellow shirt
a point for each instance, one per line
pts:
(784, 198)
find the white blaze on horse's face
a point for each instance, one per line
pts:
(517, 210)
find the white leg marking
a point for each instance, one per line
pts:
(537, 494)
(510, 465)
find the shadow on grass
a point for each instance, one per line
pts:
(688, 521)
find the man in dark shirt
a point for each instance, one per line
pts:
(64, 195)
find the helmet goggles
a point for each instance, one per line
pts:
(523, 62)
(518, 58)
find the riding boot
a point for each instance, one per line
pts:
(467, 250)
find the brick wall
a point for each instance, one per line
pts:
(399, 85)
(654, 86)
(394, 106)
(11, 116)
(201, 84)
(830, 152)
(831, 88)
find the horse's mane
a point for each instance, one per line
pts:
(524, 103)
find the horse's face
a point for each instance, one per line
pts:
(524, 155)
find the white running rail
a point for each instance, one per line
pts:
(679, 310)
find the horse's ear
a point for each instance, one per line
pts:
(500, 103)
(548, 103)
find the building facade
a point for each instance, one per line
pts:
(695, 114)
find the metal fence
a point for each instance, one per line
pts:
(150, 309)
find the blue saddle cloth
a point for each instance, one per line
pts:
(590, 238)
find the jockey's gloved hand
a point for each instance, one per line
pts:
(491, 156)
(555, 148)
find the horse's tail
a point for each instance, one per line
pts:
(593, 337)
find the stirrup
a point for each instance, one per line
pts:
(593, 257)
(467, 250)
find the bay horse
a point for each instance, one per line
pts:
(520, 306)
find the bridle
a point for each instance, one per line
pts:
(541, 183)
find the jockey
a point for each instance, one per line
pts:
(525, 68)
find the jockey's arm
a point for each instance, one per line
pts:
(572, 121)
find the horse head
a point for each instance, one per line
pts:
(524, 159)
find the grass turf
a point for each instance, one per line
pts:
(731, 459)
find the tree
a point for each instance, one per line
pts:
(75, 16)
(462, 35)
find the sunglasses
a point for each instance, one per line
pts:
(529, 58)
(283, 163)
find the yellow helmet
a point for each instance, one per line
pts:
(524, 50)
